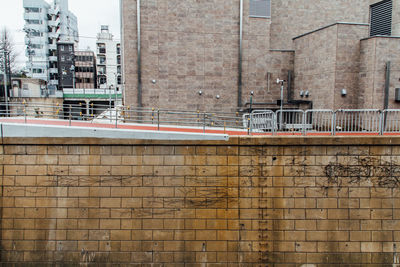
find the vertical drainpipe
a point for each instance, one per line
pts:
(139, 57)
(240, 84)
(386, 100)
(122, 51)
(387, 86)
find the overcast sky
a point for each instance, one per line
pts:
(91, 15)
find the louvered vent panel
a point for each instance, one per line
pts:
(260, 8)
(381, 18)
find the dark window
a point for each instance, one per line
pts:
(102, 80)
(381, 18)
(33, 10)
(33, 21)
(260, 8)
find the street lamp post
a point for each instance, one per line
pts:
(73, 78)
(30, 51)
(110, 107)
(250, 110)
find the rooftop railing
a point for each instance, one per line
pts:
(259, 122)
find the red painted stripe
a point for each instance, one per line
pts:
(182, 130)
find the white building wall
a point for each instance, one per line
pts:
(111, 65)
(57, 23)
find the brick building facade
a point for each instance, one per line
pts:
(192, 46)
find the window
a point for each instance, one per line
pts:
(33, 10)
(61, 47)
(37, 70)
(381, 18)
(102, 80)
(33, 21)
(101, 48)
(70, 48)
(62, 58)
(260, 8)
(36, 46)
(36, 34)
(102, 70)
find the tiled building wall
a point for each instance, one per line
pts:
(192, 46)
(325, 68)
(245, 202)
(375, 53)
(293, 18)
(315, 65)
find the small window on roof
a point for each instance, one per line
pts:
(260, 8)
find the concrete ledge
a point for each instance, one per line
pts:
(50, 132)
(330, 25)
(233, 141)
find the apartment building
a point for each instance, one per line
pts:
(209, 55)
(108, 59)
(46, 25)
(85, 69)
(66, 65)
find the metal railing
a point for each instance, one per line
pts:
(295, 122)
(358, 121)
(319, 121)
(108, 113)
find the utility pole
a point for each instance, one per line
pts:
(5, 80)
(30, 51)
(72, 69)
(278, 81)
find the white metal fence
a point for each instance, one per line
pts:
(296, 122)
(329, 122)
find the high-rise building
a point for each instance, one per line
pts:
(108, 59)
(46, 25)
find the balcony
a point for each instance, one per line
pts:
(53, 58)
(33, 16)
(53, 70)
(52, 47)
(55, 23)
(54, 11)
(54, 35)
(53, 82)
(36, 27)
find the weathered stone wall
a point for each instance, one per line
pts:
(249, 201)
